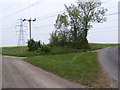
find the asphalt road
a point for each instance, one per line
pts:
(108, 58)
(17, 73)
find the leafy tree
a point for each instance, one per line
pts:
(54, 39)
(75, 25)
(90, 12)
(77, 20)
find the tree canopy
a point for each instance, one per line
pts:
(72, 25)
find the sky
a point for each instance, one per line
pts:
(45, 12)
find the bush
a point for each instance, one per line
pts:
(33, 45)
(45, 48)
(68, 39)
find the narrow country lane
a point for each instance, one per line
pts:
(17, 73)
(108, 58)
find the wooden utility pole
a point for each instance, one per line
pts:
(29, 20)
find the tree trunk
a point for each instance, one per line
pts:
(84, 37)
(75, 34)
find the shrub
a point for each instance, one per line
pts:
(45, 48)
(33, 45)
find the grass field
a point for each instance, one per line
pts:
(18, 51)
(82, 67)
(22, 51)
(72, 64)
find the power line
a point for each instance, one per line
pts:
(7, 8)
(53, 16)
(22, 9)
(45, 26)
(47, 16)
(41, 18)
(8, 37)
(9, 27)
(105, 27)
(37, 34)
(91, 28)
(57, 14)
(104, 31)
(112, 14)
(9, 31)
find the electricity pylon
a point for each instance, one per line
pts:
(21, 38)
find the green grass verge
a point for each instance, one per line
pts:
(82, 68)
(18, 51)
(22, 51)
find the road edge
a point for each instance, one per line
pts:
(113, 83)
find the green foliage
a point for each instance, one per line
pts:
(73, 25)
(38, 47)
(18, 51)
(54, 39)
(23, 51)
(45, 48)
(58, 38)
(33, 45)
